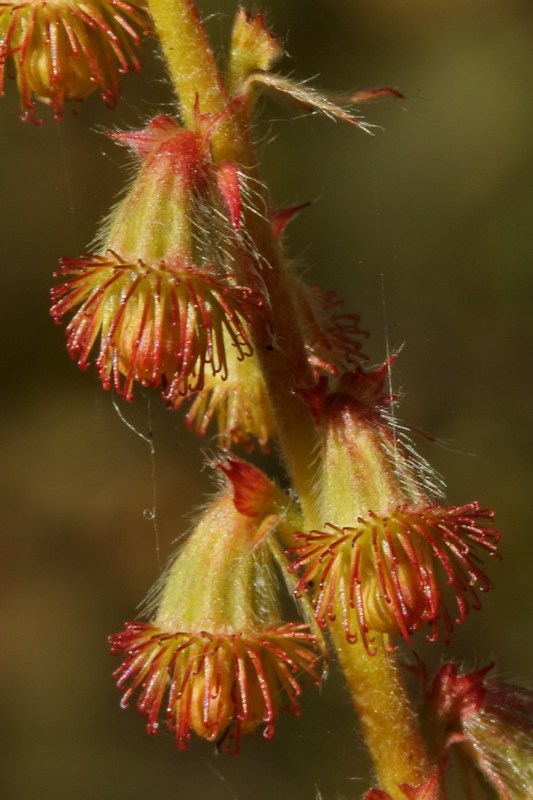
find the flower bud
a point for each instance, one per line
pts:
(253, 49)
(162, 217)
(160, 296)
(386, 548)
(66, 49)
(490, 723)
(216, 648)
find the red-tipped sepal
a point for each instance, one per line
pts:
(253, 493)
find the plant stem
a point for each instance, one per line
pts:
(191, 64)
(387, 719)
(388, 722)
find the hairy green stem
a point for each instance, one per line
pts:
(389, 725)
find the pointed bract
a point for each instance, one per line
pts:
(228, 179)
(181, 149)
(281, 218)
(253, 493)
(252, 48)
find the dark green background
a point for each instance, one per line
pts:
(424, 228)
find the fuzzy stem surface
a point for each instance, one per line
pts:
(389, 724)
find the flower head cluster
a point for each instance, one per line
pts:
(219, 685)
(388, 554)
(163, 297)
(491, 723)
(66, 49)
(161, 324)
(163, 294)
(217, 660)
(160, 297)
(382, 572)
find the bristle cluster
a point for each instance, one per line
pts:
(158, 324)
(241, 406)
(382, 574)
(218, 685)
(333, 336)
(66, 49)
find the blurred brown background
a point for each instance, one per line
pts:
(424, 228)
